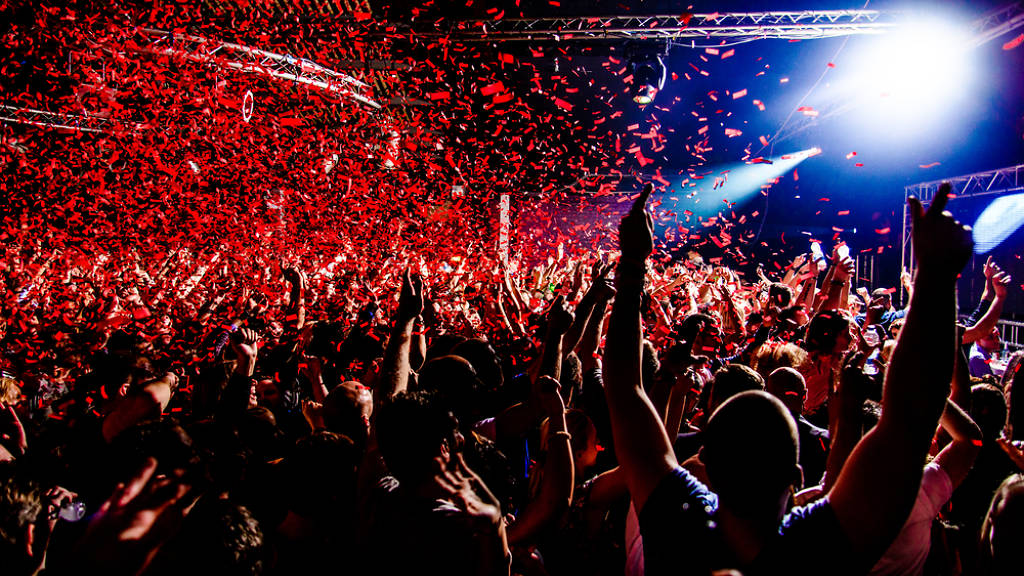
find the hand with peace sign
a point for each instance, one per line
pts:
(942, 245)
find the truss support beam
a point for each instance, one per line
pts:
(990, 183)
(997, 22)
(254, 60)
(48, 119)
(807, 24)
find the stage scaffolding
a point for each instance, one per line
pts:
(990, 183)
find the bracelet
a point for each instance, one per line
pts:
(560, 433)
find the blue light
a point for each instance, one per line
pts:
(999, 220)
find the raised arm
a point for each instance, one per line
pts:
(838, 284)
(641, 444)
(885, 467)
(585, 309)
(557, 483)
(559, 319)
(958, 456)
(296, 296)
(394, 376)
(1000, 281)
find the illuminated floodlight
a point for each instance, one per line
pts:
(738, 182)
(997, 222)
(648, 79)
(914, 71)
(801, 155)
(645, 94)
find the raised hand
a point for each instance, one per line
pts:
(942, 245)
(129, 528)
(602, 287)
(549, 397)
(853, 385)
(990, 269)
(296, 277)
(245, 344)
(468, 492)
(559, 316)
(12, 431)
(636, 236)
(844, 269)
(1012, 450)
(313, 412)
(1000, 283)
(799, 261)
(410, 300)
(905, 279)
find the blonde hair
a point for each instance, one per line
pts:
(772, 355)
(10, 391)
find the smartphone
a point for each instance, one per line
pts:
(843, 251)
(817, 255)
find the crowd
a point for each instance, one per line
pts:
(607, 414)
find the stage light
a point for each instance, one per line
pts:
(644, 94)
(736, 182)
(997, 222)
(648, 80)
(912, 73)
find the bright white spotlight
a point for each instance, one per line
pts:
(739, 182)
(999, 220)
(915, 70)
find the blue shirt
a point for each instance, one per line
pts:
(978, 363)
(680, 535)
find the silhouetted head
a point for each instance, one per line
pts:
(347, 411)
(413, 431)
(751, 452)
(1003, 530)
(829, 333)
(455, 384)
(789, 387)
(731, 380)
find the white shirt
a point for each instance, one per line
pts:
(907, 554)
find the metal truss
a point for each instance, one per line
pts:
(808, 24)
(48, 119)
(997, 22)
(254, 60)
(990, 183)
